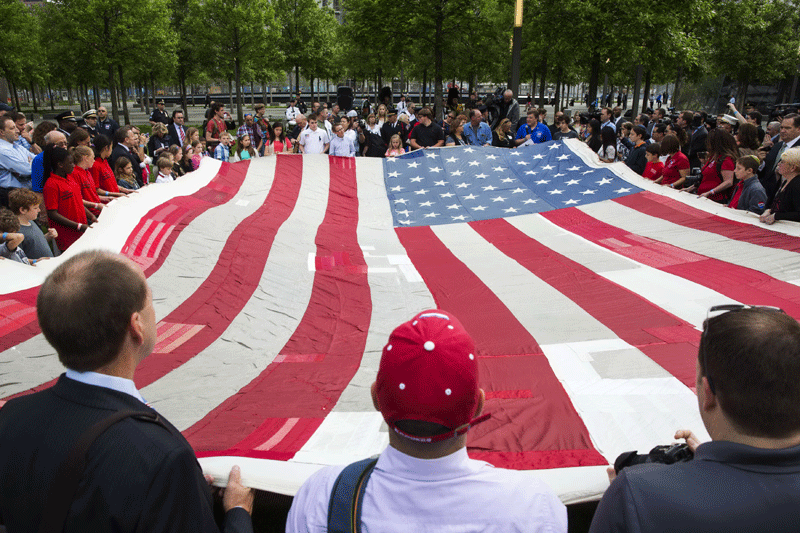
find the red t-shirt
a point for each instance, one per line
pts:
(88, 190)
(64, 195)
(710, 176)
(652, 171)
(675, 163)
(103, 176)
(215, 130)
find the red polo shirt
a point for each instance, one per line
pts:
(64, 195)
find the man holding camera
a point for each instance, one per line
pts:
(748, 477)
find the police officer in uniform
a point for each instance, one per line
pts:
(159, 115)
(67, 122)
(90, 124)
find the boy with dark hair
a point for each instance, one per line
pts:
(11, 239)
(654, 167)
(749, 194)
(26, 204)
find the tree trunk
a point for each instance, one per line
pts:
(297, 80)
(252, 93)
(237, 72)
(533, 91)
(124, 91)
(96, 94)
(605, 90)
(646, 97)
(52, 102)
(543, 84)
(557, 99)
(112, 87)
(312, 89)
(184, 99)
(69, 94)
(33, 96)
(146, 99)
(230, 94)
(153, 92)
(636, 90)
(423, 94)
(594, 77)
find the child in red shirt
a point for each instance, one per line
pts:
(83, 158)
(654, 167)
(104, 180)
(62, 197)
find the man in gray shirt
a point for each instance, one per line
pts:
(748, 477)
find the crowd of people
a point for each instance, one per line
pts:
(79, 164)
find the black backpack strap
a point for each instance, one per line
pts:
(65, 485)
(344, 511)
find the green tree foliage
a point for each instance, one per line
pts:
(20, 44)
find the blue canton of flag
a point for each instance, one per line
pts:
(462, 184)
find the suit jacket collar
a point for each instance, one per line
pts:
(96, 397)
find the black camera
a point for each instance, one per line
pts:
(669, 454)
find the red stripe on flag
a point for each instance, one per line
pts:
(20, 326)
(179, 212)
(545, 421)
(632, 318)
(739, 283)
(335, 324)
(678, 213)
(221, 297)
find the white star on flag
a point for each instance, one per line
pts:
(431, 154)
(391, 159)
(498, 169)
(507, 180)
(470, 197)
(555, 145)
(538, 156)
(547, 167)
(479, 208)
(542, 182)
(404, 212)
(393, 174)
(397, 189)
(462, 185)
(404, 221)
(588, 191)
(562, 157)
(474, 163)
(555, 191)
(588, 171)
(571, 202)
(436, 169)
(559, 175)
(489, 188)
(459, 217)
(481, 176)
(418, 178)
(440, 183)
(498, 199)
(454, 206)
(456, 173)
(604, 181)
(426, 204)
(469, 150)
(451, 159)
(447, 195)
(525, 163)
(491, 156)
(421, 191)
(415, 164)
(531, 173)
(514, 153)
(517, 190)
(576, 167)
(510, 210)
(431, 215)
(529, 201)
(401, 201)
(622, 190)
(573, 182)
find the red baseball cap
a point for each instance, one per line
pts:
(428, 372)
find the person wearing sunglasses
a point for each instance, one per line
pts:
(748, 477)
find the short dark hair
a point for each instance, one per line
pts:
(77, 136)
(122, 134)
(749, 161)
(425, 112)
(756, 115)
(687, 116)
(640, 131)
(85, 306)
(670, 145)
(795, 118)
(654, 148)
(753, 358)
(176, 111)
(216, 106)
(101, 142)
(8, 221)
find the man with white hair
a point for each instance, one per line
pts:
(509, 108)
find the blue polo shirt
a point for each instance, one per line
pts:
(539, 134)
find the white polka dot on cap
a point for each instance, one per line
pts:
(402, 386)
(448, 392)
(389, 348)
(429, 346)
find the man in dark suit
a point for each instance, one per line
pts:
(697, 140)
(176, 130)
(140, 475)
(790, 138)
(125, 146)
(391, 127)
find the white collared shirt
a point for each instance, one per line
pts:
(452, 493)
(109, 382)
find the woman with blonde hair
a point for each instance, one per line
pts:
(502, 136)
(381, 116)
(786, 204)
(159, 142)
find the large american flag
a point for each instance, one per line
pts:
(277, 282)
